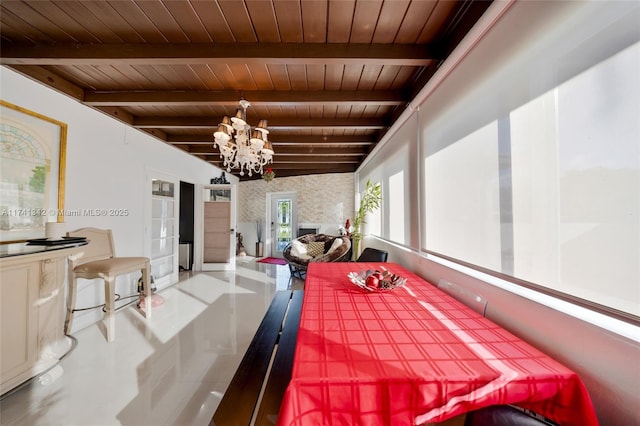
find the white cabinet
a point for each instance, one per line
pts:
(31, 313)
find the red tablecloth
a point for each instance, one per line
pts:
(413, 355)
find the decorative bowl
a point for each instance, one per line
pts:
(371, 280)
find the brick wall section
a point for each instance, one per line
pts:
(324, 198)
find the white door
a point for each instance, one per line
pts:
(283, 221)
(164, 230)
(218, 227)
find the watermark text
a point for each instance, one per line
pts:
(36, 212)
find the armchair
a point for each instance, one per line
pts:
(315, 248)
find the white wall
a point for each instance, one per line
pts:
(108, 165)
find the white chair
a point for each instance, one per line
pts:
(97, 260)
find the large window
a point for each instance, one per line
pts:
(396, 168)
(373, 220)
(396, 207)
(528, 165)
(549, 190)
(462, 199)
(576, 185)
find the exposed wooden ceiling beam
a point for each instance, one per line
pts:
(299, 172)
(327, 159)
(329, 123)
(231, 97)
(297, 159)
(323, 139)
(294, 150)
(334, 167)
(117, 113)
(343, 150)
(280, 140)
(190, 122)
(157, 133)
(343, 153)
(50, 79)
(207, 53)
(177, 92)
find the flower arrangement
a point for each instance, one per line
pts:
(269, 174)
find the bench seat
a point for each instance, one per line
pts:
(257, 387)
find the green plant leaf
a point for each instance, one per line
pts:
(371, 201)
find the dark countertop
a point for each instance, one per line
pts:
(20, 249)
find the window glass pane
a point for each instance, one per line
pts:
(162, 227)
(162, 207)
(549, 190)
(284, 226)
(217, 195)
(161, 247)
(577, 216)
(396, 207)
(161, 188)
(535, 190)
(374, 222)
(462, 199)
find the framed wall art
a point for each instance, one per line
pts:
(32, 172)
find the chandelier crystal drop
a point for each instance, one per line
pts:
(242, 147)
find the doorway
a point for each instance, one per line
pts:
(218, 228)
(283, 214)
(186, 223)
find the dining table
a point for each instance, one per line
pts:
(413, 355)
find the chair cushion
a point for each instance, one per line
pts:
(335, 245)
(112, 266)
(299, 250)
(315, 248)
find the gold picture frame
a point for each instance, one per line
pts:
(33, 150)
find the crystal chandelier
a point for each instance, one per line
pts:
(240, 146)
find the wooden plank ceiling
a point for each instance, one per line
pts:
(329, 76)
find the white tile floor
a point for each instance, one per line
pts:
(170, 370)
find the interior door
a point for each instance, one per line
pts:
(219, 236)
(283, 221)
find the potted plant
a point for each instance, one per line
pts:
(370, 202)
(259, 244)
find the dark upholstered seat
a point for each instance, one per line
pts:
(503, 415)
(298, 263)
(373, 255)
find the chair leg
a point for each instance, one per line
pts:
(109, 316)
(297, 272)
(71, 304)
(146, 282)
